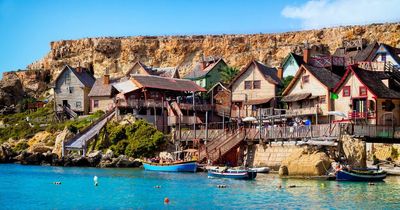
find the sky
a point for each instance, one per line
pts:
(28, 26)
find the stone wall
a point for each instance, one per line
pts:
(355, 151)
(271, 155)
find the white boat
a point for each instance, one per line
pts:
(260, 169)
(394, 170)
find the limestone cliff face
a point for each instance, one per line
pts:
(119, 53)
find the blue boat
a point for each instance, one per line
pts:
(232, 173)
(188, 166)
(361, 175)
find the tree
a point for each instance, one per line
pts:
(228, 73)
(286, 81)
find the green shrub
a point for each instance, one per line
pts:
(119, 148)
(20, 146)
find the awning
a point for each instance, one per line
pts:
(295, 97)
(257, 101)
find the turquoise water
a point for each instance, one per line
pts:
(31, 187)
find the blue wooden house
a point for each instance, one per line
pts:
(386, 53)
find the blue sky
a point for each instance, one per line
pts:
(28, 26)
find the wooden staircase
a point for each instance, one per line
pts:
(69, 111)
(221, 145)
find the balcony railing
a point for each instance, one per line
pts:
(361, 115)
(174, 120)
(304, 111)
(136, 103)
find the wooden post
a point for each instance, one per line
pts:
(223, 120)
(194, 115)
(205, 141)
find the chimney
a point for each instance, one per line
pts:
(279, 73)
(203, 62)
(78, 67)
(106, 78)
(306, 54)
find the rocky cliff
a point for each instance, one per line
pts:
(119, 53)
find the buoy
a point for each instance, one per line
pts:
(57, 183)
(157, 186)
(166, 200)
(95, 180)
(322, 185)
(279, 186)
(292, 186)
(371, 183)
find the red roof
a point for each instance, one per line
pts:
(180, 85)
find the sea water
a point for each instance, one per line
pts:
(32, 187)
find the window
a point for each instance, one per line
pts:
(247, 85)
(322, 99)
(363, 91)
(70, 89)
(257, 84)
(67, 78)
(95, 103)
(305, 79)
(346, 91)
(78, 104)
(383, 57)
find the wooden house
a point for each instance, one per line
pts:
(291, 64)
(254, 87)
(207, 72)
(162, 101)
(358, 50)
(371, 97)
(307, 95)
(71, 89)
(221, 99)
(388, 54)
(102, 95)
(142, 69)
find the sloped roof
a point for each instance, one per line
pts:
(181, 85)
(365, 54)
(125, 86)
(269, 74)
(86, 78)
(157, 71)
(394, 52)
(297, 58)
(101, 89)
(328, 78)
(372, 80)
(198, 72)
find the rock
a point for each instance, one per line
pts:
(81, 162)
(109, 155)
(306, 163)
(94, 158)
(283, 171)
(40, 148)
(6, 153)
(11, 90)
(27, 158)
(64, 135)
(355, 151)
(120, 53)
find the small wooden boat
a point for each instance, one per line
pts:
(232, 173)
(361, 175)
(188, 166)
(260, 169)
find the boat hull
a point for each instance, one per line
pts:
(357, 177)
(190, 166)
(249, 175)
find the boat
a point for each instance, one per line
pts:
(187, 166)
(361, 175)
(232, 173)
(260, 169)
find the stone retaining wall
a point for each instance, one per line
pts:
(271, 155)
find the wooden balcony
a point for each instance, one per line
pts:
(197, 107)
(136, 103)
(304, 111)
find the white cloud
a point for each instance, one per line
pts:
(325, 13)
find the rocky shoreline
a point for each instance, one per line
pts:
(93, 159)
